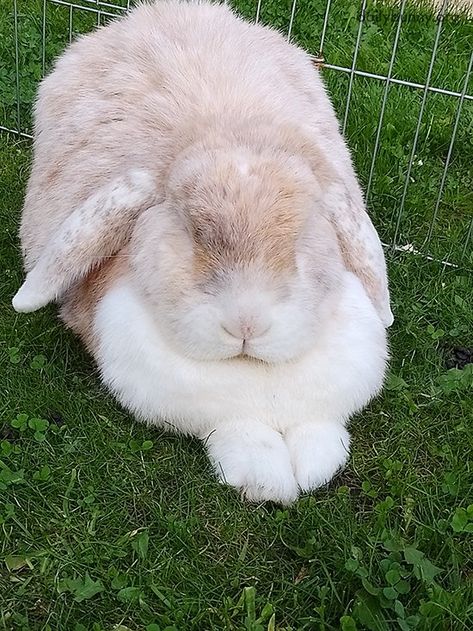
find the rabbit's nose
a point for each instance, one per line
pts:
(245, 329)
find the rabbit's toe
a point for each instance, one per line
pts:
(317, 452)
(253, 458)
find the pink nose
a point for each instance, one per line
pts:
(246, 329)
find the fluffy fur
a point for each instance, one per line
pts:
(193, 208)
(268, 428)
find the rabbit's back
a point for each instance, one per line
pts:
(176, 59)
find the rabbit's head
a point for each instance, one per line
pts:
(235, 261)
(241, 254)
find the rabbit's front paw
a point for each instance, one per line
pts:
(253, 458)
(318, 451)
(28, 298)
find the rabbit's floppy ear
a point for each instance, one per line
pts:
(360, 245)
(96, 229)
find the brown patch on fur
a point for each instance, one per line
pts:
(241, 215)
(222, 243)
(78, 309)
(53, 174)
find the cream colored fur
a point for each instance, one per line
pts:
(203, 154)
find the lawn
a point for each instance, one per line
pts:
(107, 525)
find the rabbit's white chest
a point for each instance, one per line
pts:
(161, 387)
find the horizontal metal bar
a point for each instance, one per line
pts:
(411, 84)
(100, 4)
(16, 132)
(410, 249)
(85, 8)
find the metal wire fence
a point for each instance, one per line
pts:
(400, 76)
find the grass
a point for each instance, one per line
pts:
(106, 524)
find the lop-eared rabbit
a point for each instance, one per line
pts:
(193, 210)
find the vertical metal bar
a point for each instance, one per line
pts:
(43, 40)
(385, 98)
(419, 120)
(450, 149)
(353, 65)
(258, 11)
(71, 8)
(468, 238)
(291, 21)
(324, 27)
(17, 65)
(99, 13)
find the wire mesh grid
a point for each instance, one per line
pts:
(400, 77)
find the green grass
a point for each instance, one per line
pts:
(104, 522)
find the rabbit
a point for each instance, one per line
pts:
(194, 211)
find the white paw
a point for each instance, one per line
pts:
(253, 458)
(317, 451)
(28, 298)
